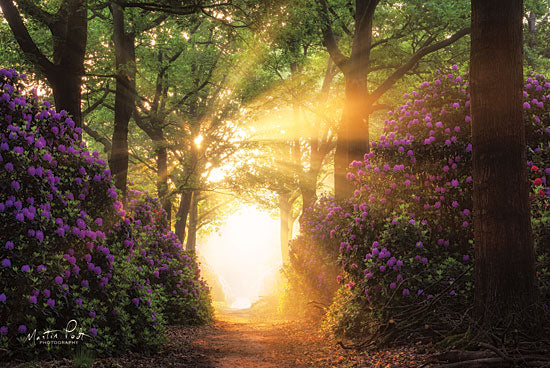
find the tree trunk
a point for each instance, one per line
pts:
(66, 92)
(162, 183)
(285, 229)
(191, 243)
(124, 97)
(532, 21)
(182, 214)
(69, 31)
(353, 132)
(504, 256)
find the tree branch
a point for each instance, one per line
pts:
(23, 37)
(97, 137)
(98, 102)
(329, 41)
(423, 51)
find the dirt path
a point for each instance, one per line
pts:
(240, 339)
(236, 340)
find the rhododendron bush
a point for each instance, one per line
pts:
(72, 250)
(405, 238)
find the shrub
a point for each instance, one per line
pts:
(59, 250)
(406, 241)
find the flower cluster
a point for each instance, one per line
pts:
(405, 236)
(59, 258)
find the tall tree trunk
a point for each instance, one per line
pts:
(182, 214)
(531, 22)
(66, 92)
(504, 256)
(191, 243)
(285, 228)
(353, 132)
(125, 59)
(162, 183)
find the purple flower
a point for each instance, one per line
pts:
(25, 268)
(3, 330)
(78, 302)
(84, 283)
(46, 293)
(8, 167)
(406, 292)
(112, 192)
(9, 245)
(6, 263)
(81, 224)
(32, 299)
(93, 332)
(58, 280)
(99, 221)
(135, 301)
(51, 302)
(40, 268)
(22, 329)
(2, 298)
(92, 314)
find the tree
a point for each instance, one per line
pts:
(68, 28)
(360, 102)
(504, 255)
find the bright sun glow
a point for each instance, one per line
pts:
(198, 140)
(245, 255)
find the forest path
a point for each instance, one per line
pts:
(239, 339)
(244, 339)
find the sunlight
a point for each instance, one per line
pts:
(241, 303)
(245, 255)
(198, 140)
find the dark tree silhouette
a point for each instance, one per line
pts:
(68, 27)
(504, 253)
